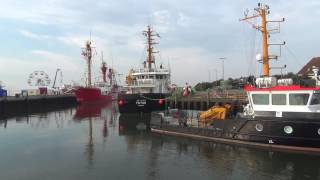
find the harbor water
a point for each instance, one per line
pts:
(97, 143)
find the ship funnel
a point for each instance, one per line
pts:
(104, 71)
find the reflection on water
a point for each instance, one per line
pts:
(94, 142)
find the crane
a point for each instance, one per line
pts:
(55, 77)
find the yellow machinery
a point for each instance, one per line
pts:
(129, 78)
(215, 113)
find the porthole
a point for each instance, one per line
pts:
(259, 127)
(288, 129)
(319, 131)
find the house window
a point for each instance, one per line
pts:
(260, 99)
(279, 99)
(298, 99)
(315, 99)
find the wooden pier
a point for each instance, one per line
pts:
(204, 100)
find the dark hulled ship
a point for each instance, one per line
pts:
(148, 86)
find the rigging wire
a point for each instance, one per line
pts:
(290, 52)
(142, 57)
(251, 50)
(294, 56)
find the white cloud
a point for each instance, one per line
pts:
(184, 20)
(162, 20)
(33, 35)
(73, 40)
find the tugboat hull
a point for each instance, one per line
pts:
(299, 132)
(302, 135)
(146, 103)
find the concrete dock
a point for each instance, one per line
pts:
(13, 106)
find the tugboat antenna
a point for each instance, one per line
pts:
(262, 11)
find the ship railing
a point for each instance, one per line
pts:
(189, 125)
(152, 70)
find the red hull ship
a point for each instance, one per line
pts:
(101, 91)
(91, 95)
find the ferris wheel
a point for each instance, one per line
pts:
(39, 79)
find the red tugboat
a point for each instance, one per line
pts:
(100, 92)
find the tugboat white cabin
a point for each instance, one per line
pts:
(276, 97)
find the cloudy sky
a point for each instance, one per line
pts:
(46, 35)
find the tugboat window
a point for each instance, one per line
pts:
(315, 99)
(298, 99)
(279, 99)
(260, 99)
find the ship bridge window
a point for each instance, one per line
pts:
(315, 99)
(151, 77)
(298, 98)
(260, 99)
(159, 76)
(279, 99)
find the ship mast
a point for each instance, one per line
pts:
(149, 33)
(262, 11)
(87, 53)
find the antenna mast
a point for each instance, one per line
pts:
(149, 33)
(262, 11)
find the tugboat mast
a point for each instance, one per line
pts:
(87, 53)
(149, 33)
(262, 11)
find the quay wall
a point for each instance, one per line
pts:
(203, 100)
(15, 106)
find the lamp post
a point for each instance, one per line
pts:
(216, 73)
(222, 59)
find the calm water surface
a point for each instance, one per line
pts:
(94, 143)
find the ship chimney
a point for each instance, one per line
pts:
(104, 71)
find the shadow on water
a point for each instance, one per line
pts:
(134, 122)
(234, 162)
(91, 112)
(94, 142)
(213, 160)
(40, 119)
